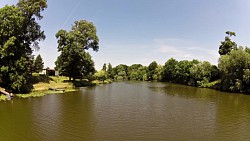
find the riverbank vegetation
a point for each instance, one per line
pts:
(44, 85)
(232, 73)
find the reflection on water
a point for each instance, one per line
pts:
(128, 111)
(186, 92)
(232, 110)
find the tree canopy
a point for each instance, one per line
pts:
(19, 35)
(151, 70)
(227, 45)
(74, 62)
(235, 71)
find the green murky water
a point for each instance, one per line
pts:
(128, 111)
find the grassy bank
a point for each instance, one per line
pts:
(98, 82)
(44, 85)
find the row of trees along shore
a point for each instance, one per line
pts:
(20, 34)
(232, 73)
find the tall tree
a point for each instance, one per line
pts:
(228, 45)
(169, 70)
(38, 64)
(74, 62)
(110, 71)
(19, 35)
(151, 70)
(104, 67)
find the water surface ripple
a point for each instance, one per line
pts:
(128, 111)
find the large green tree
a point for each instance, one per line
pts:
(38, 64)
(74, 61)
(110, 71)
(19, 36)
(151, 70)
(201, 73)
(169, 70)
(182, 74)
(133, 72)
(121, 72)
(235, 71)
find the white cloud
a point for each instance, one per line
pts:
(169, 49)
(159, 50)
(185, 50)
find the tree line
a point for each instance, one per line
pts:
(232, 73)
(193, 73)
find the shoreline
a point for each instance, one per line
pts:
(55, 85)
(71, 88)
(44, 92)
(38, 93)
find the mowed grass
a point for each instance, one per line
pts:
(43, 84)
(48, 82)
(55, 83)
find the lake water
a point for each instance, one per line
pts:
(128, 111)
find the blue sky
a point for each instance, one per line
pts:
(142, 31)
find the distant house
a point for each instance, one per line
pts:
(50, 72)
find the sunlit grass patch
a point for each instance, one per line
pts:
(43, 93)
(3, 97)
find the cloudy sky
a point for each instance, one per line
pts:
(142, 31)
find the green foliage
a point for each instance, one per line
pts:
(110, 71)
(121, 72)
(227, 45)
(182, 71)
(201, 73)
(142, 73)
(38, 64)
(74, 62)
(101, 75)
(124, 72)
(83, 83)
(193, 72)
(19, 34)
(135, 72)
(151, 71)
(3, 98)
(158, 73)
(104, 67)
(235, 73)
(169, 70)
(247, 49)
